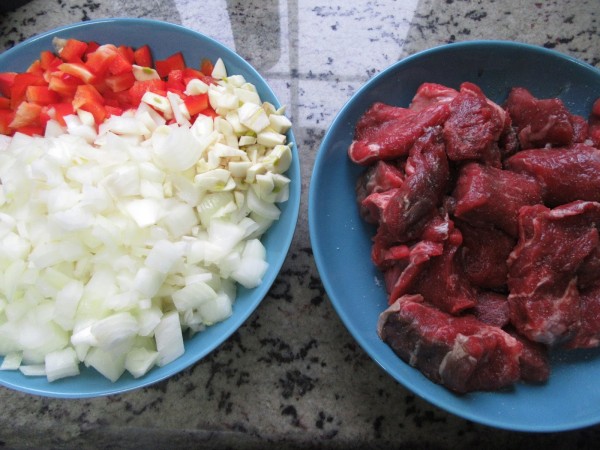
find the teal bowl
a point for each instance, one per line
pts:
(342, 241)
(164, 39)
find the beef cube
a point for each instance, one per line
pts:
(373, 189)
(533, 361)
(489, 196)
(492, 309)
(566, 174)
(378, 114)
(474, 126)
(542, 279)
(405, 215)
(394, 138)
(587, 329)
(431, 94)
(460, 353)
(540, 122)
(484, 253)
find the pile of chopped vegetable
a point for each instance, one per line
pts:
(133, 196)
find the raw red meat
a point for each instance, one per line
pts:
(372, 189)
(492, 309)
(540, 122)
(533, 360)
(483, 254)
(566, 174)
(482, 276)
(489, 196)
(474, 126)
(460, 353)
(394, 138)
(431, 94)
(404, 216)
(544, 299)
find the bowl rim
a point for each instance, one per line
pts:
(291, 209)
(320, 258)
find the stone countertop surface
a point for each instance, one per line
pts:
(292, 376)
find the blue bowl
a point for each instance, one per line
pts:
(342, 241)
(164, 39)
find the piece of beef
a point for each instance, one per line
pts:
(588, 273)
(542, 279)
(443, 282)
(484, 253)
(373, 186)
(402, 264)
(378, 114)
(534, 361)
(460, 353)
(489, 196)
(474, 127)
(492, 309)
(405, 215)
(566, 174)
(594, 124)
(430, 94)
(394, 138)
(587, 328)
(540, 122)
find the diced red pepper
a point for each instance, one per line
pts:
(142, 56)
(92, 46)
(173, 62)
(58, 111)
(26, 114)
(127, 52)
(100, 60)
(122, 82)
(175, 81)
(6, 117)
(7, 80)
(89, 99)
(4, 103)
(36, 68)
(78, 70)
(49, 61)
(113, 110)
(206, 67)
(196, 103)
(139, 88)
(64, 84)
(41, 95)
(20, 84)
(73, 51)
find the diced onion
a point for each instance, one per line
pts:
(116, 239)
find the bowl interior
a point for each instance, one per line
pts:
(164, 39)
(342, 241)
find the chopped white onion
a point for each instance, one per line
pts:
(116, 239)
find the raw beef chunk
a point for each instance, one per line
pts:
(534, 361)
(431, 94)
(443, 282)
(587, 329)
(490, 196)
(594, 124)
(460, 353)
(374, 185)
(566, 174)
(395, 138)
(483, 254)
(540, 122)
(544, 298)
(415, 203)
(473, 127)
(378, 114)
(492, 309)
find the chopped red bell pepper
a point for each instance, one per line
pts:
(142, 56)
(7, 80)
(73, 51)
(196, 103)
(42, 95)
(173, 62)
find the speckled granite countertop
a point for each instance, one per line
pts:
(292, 376)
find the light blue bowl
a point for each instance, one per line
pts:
(342, 241)
(164, 39)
